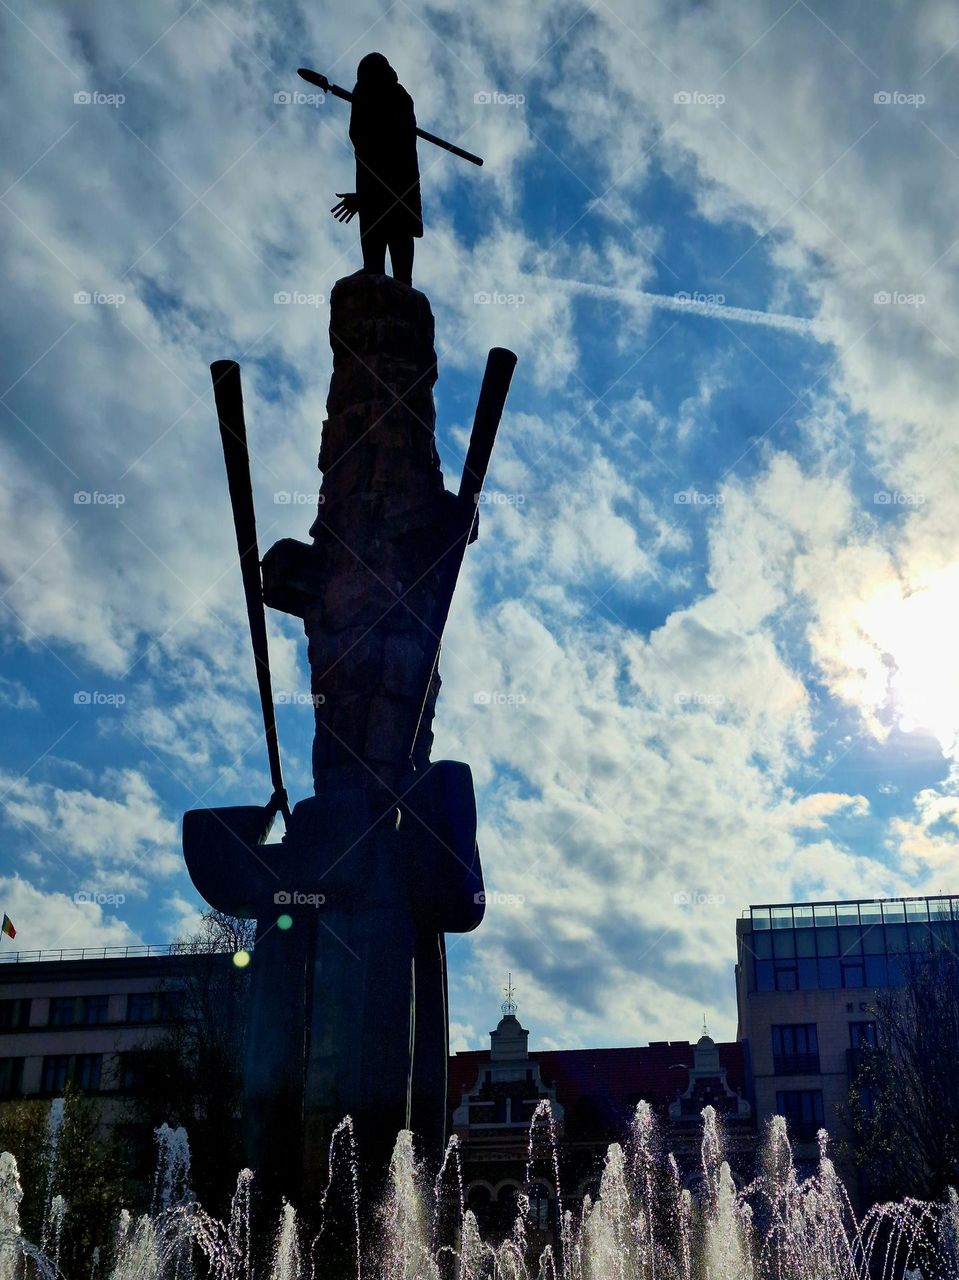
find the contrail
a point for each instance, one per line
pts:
(694, 304)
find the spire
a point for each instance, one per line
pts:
(509, 1004)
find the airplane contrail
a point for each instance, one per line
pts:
(694, 304)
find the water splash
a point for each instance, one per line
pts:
(287, 1262)
(643, 1224)
(171, 1185)
(51, 1152)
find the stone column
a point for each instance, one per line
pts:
(380, 531)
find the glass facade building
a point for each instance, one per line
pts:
(829, 946)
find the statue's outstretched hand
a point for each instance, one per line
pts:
(348, 207)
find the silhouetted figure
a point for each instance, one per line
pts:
(387, 196)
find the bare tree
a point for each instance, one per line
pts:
(904, 1101)
(193, 1075)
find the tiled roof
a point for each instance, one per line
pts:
(615, 1077)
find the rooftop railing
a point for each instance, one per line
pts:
(95, 953)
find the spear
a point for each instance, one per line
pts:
(314, 77)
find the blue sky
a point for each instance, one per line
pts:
(715, 581)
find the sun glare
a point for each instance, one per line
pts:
(916, 633)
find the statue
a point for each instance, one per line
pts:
(387, 196)
(348, 1001)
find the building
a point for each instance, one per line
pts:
(77, 1016)
(592, 1096)
(807, 976)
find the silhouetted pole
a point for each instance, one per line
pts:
(314, 77)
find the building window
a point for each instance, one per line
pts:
(853, 973)
(851, 945)
(61, 1011)
(14, 1014)
(172, 1005)
(11, 1077)
(96, 1009)
(795, 1049)
(141, 1007)
(867, 1102)
(86, 1070)
(803, 1111)
(539, 1206)
(61, 1069)
(862, 1035)
(56, 1072)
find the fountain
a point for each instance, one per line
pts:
(644, 1224)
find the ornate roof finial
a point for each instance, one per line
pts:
(509, 1004)
(705, 1032)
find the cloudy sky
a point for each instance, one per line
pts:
(713, 600)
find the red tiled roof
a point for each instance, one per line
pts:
(620, 1077)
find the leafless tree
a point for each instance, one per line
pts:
(904, 1101)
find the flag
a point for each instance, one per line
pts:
(7, 927)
